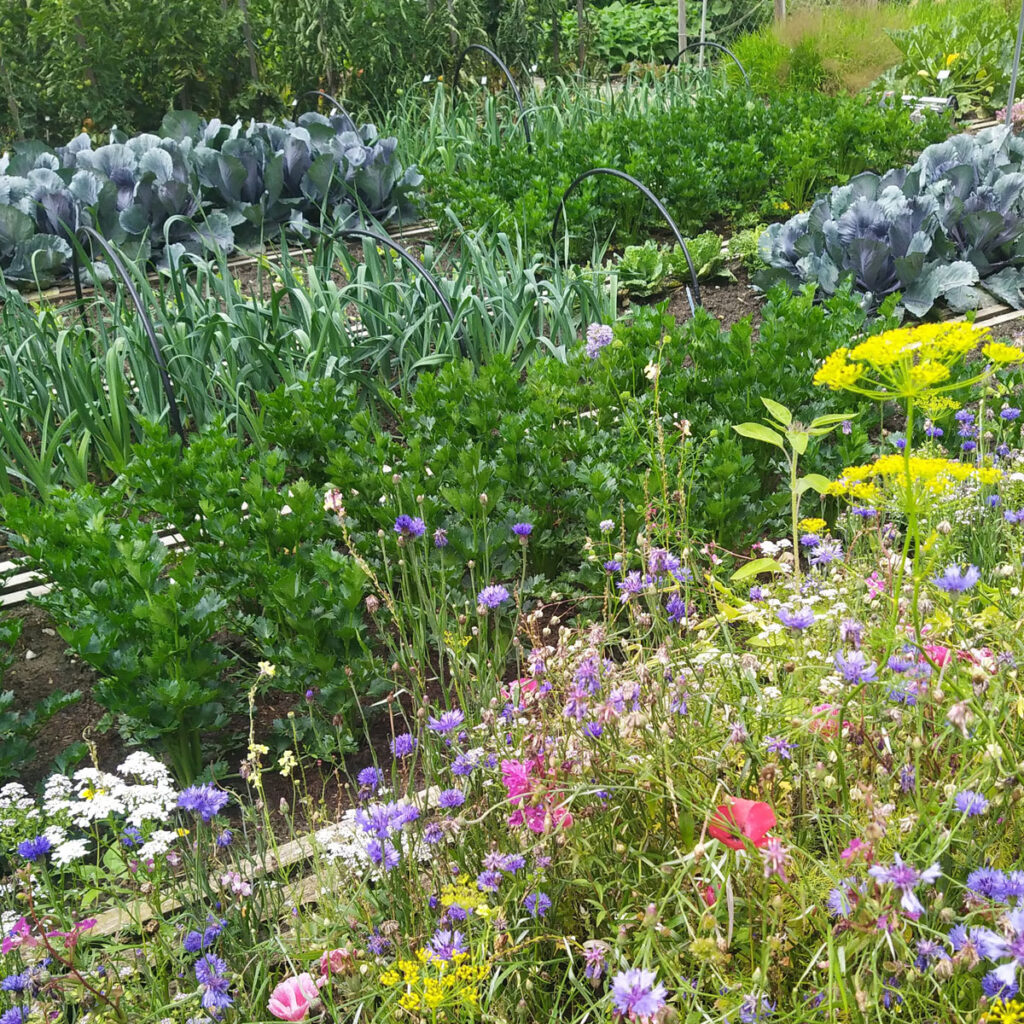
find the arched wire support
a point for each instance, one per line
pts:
(117, 265)
(694, 295)
(330, 99)
(511, 81)
(718, 46)
(411, 261)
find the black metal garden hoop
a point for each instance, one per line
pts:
(117, 264)
(411, 261)
(674, 62)
(330, 99)
(611, 172)
(511, 81)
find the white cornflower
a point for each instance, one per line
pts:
(67, 853)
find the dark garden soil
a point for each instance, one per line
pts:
(727, 301)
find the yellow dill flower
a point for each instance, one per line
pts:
(836, 372)
(935, 476)
(1001, 1012)
(1002, 354)
(390, 977)
(812, 525)
(409, 1001)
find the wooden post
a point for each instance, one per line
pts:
(254, 71)
(681, 41)
(703, 31)
(581, 20)
(780, 10)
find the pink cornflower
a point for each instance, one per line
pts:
(775, 858)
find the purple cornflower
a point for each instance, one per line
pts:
(369, 778)
(775, 858)
(900, 662)
(864, 512)
(756, 594)
(632, 585)
(34, 849)
(492, 597)
(612, 565)
(205, 800)
(537, 904)
(796, 618)
(522, 529)
(451, 798)
(447, 721)
(433, 833)
(970, 803)
(636, 994)
(676, 608)
(409, 526)
(1009, 413)
(15, 1015)
(964, 416)
(855, 667)
(956, 580)
(969, 446)
(933, 431)
(377, 944)
(839, 903)
(403, 745)
(810, 540)
(512, 863)
(777, 745)
(440, 538)
(599, 336)
(224, 839)
(908, 778)
(593, 730)
(827, 551)
(851, 632)
(464, 764)
(446, 945)
(906, 878)
(756, 1008)
(847, 427)
(131, 837)
(594, 954)
(16, 982)
(577, 704)
(210, 973)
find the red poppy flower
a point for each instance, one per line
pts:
(749, 819)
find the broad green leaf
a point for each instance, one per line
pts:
(813, 481)
(759, 432)
(754, 568)
(779, 411)
(832, 419)
(798, 439)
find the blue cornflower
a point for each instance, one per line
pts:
(593, 730)
(900, 662)
(131, 837)
(599, 336)
(440, 538)
(928, 951)
(864, 512)
(636, 993)
(956, 580)
(513, 862)
(964, 416)
(403, 745)
(410, 526)
(827, 551)
(1009, 413)
(16, 982)
(488, 881)
(676, 608)
(433, 833)
(934, 431)
(464, 764)
(969, 446)
(987, 882)
(970, 803)
(855, 667)
(369, 778)
(796, 618)
(839, 903)
(756, 1008)
(205, 800)
(446, 945)
(378, 944)
(225, 838)
(15, 1015)
(810, 540)
(537, 904)
(382, 853)
(757, 594)
(612, 565)
(447, 721)
(632, 585)
(777, 745)
(210, 973)
(522, 529)
(451, 798)
(492, 597)
(34, 849)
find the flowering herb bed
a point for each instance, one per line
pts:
(779, 787)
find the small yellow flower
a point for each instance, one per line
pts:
(267, 670)
(951, 59)
(287, 763)
(812, 525)
(1002, 354)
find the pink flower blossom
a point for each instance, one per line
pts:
(291, 999)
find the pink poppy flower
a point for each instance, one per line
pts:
(740, 820)
(291, 999)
